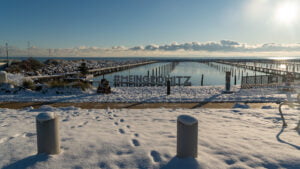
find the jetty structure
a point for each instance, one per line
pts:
(268, 69)
(95, 72)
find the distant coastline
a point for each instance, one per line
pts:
(179, 58)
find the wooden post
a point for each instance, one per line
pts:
(168, 87)
(202, 77)
(159, 71)
(156, 76)
(234, 79)
(227, 84)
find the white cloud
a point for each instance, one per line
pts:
(221, 48)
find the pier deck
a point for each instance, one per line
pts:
(261, 69)
(95, 72)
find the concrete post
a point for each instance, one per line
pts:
(47, 133)
(187, 136)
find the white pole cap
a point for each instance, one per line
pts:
(42, 117)
(187, 120)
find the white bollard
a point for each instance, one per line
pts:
(47, 133)
(3, 77)
(187, 136)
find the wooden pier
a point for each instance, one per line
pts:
(106, 70)
(95, 72)
(261, 69)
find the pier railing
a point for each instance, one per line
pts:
(264, 81)
(272, 71)
(95, 72)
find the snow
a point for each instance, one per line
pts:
(187, 120)
(45, 116)
(146, 138)
(16, 78)
(148, 95)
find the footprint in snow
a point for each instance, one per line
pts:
(121, 131)
(83, 124)
(29, 134)
(103, 165)
(229, 161)
(135, 142)
(8, 138)
(122, 120)
(64, 120)
(124, 152)
(4, 125)
(155, 156)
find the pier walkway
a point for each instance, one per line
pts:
(261, 69)
(95, 72)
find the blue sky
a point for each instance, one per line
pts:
(107, 23)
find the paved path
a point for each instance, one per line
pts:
(89, 105)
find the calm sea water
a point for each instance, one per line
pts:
(195, 70)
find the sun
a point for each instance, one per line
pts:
(287, 12)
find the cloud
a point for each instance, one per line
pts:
(137, 48)
(222, 46)
(213, 48)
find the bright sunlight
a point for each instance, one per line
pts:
(287, 12)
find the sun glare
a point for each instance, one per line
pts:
(282, 66)
(286, 12)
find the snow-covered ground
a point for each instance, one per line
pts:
(127, 138)
(149, 95)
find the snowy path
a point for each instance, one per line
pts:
(127, 138)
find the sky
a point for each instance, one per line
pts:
(142, 27)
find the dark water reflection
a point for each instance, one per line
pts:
(211, 75)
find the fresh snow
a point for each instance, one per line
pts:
(16, 78)
(45, 116)
(147, 95)
(146, 138)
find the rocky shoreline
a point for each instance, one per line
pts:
(32, 67)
